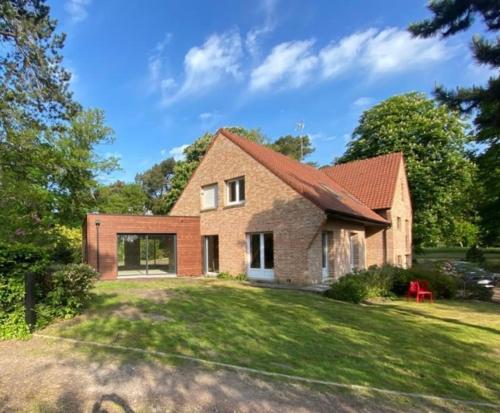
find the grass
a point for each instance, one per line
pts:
(450, 348)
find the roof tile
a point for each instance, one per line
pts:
(372, 180)
(310, 182)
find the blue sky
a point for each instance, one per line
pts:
(165, 72)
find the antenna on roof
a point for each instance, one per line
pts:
(299, 126)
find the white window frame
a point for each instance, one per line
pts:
(228, 191)
(324, 254)
(264, 274)
(202, 196)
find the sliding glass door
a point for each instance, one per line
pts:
(146, 254)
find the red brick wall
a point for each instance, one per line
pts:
(187, 230)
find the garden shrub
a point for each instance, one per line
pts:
(387, 281)
(228, 276)
(66, 245)
(60, 292)
(349, 288)
(15, 261)
(69, 289)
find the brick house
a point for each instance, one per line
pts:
(248, 209)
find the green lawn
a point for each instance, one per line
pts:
(450, 348)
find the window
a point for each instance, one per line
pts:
(235, 191)
(260, 248)
(407, 233)
(209, 197)
(146, 254)
(356, 252)
(400, 260)
(399, 223)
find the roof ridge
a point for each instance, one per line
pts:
(366, 159)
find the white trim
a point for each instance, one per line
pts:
(324, 253)
(237, 191)
(263, 274)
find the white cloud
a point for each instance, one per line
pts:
(178, 152)
(363, 102)
(77, 9)
(207, 65)
(377, 52)
(394, 50)
(338, 57)
(253, 37)
(289, 64)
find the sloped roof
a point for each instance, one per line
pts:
(372, 180)
(307, 181)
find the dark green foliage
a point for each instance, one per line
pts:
(387, 281)
(291, 146)
(68, 289)
(475, 254)
(33, 85)
(121, 198)
(349, 288)
(156, 182)
(229, 276)
(440, 175)
(60, 292)
(482, 102)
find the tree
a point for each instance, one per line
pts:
(440, 175)
(33, 84)
(121, 198)
(48, 178)
(291, 146)
(156, 181)
(483, 102)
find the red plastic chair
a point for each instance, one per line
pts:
(419, 290)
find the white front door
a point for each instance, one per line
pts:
(260, 256)
(324, 255)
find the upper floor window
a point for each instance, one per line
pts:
(235, 191)
(399, 223)
(209, 196)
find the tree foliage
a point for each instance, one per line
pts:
(33, 84)
(482, 102)
(48, 177)
(121, 198)
(291, 146)
(440, 175)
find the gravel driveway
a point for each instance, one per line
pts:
(41, 375)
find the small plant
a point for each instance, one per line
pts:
(228, 276)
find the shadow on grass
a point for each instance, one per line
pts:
(299, 334)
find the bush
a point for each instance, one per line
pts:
(349, 288)
(475, 254)
(69, 289)
(387, 281)
(66, 246)
(60, 292)
(228, 276)
(15, 261)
